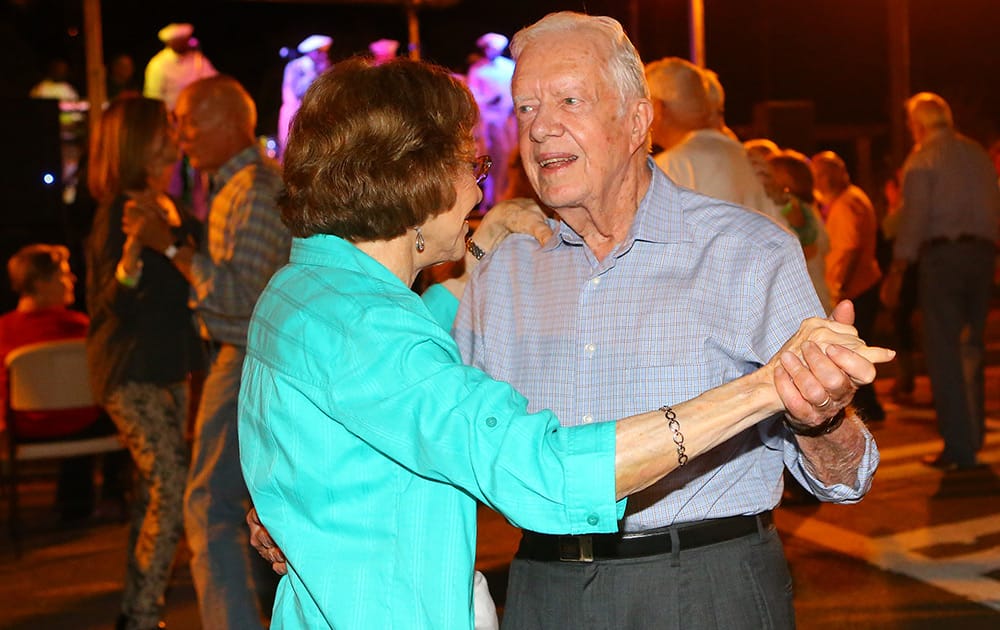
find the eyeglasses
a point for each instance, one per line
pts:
(481, 168)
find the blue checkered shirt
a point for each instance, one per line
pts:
(699, 293)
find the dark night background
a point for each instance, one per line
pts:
(832, 52)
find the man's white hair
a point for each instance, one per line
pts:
(624, 68)
(681, 87)
(929, 110)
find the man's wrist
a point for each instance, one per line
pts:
(824, 428)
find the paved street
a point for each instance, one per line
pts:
(921, 551)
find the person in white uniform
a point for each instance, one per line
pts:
(299, 75)
(489, 81)
(175, 67)
(383, 50)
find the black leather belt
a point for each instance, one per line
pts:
(549, 548)
(961, 238)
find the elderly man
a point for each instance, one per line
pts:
(176, 66)
(648, 294)
(852, 271)
(695, 152)
(948, 223)
(246, 243)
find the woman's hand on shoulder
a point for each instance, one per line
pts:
(519, 215)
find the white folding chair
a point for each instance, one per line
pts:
(46, 376)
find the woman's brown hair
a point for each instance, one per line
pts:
(120, 148)
(375, 150)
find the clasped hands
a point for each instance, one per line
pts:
(145, 221)
(818, 370)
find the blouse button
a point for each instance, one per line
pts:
(491, 422)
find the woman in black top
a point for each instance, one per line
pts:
(141, 343)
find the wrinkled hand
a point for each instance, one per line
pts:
(261, 540)
(521, 216)
(818, 370)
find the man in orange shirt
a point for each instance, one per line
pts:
(852, 271)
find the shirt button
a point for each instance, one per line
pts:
(590, 348)
(596, 280)
(593, 520)
(587, 418)
(491, 422)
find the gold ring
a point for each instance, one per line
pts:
(824, 403)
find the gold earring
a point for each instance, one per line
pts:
(421, 245)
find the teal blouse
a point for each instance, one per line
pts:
(365, 443)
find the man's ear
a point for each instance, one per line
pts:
(642, 121)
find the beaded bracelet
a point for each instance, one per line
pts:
(675, 426)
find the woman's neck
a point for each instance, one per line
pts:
(397, 255)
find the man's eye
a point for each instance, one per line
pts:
(525, 109)
(570, 100)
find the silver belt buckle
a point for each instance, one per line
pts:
(576, 549)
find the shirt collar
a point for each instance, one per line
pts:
(235, 164)
(327, 250)
(935, 135)
(659, 218)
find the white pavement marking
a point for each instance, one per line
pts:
(891, 466)
(964, 575)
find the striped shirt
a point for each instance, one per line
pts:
(699, 293)
(246, 244)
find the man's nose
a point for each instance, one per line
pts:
(545, 124)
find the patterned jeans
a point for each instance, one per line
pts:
(151, 420)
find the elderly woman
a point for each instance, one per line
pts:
(364, 440)
(141, 345)
(792, 190)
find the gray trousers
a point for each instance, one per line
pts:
(955, 282)
(231, 581)
(742, 583)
